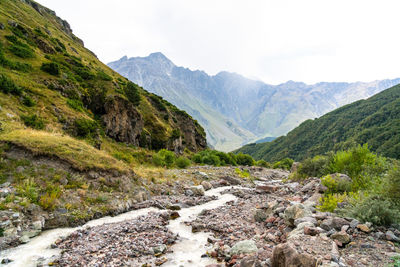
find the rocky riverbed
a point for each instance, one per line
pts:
(267, 222)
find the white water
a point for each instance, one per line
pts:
(186, 252)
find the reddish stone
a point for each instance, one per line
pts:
(270, 220)
(267, 188)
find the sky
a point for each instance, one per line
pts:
(270, 40)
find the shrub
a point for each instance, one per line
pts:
(51, 68)
(244, 159)
(329, 202)
(75, 104)
(33, 121)
(211, 160)
(182, 162)
(164, 158)
(21, 51)
(158, 102)
(128, 158)
(285, 164)
(335, 185)
(8, 86)
(103, 76)
(86, 127)
(243, 174)
(29, 190)
(132, 93)
(48, 201)
(391, 185)
(176, 133)
(84, 73)
(28, 101)
(263, 163)
(315, 167)
(197, 158)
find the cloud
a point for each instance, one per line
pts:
(308, 40)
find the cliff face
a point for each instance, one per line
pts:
(66, 87)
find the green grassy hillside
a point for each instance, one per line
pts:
(375, 121)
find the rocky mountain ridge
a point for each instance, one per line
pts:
(235, 110)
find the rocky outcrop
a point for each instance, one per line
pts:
(122, 120)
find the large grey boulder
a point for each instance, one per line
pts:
(244, 247)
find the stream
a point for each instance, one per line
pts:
(187, 250)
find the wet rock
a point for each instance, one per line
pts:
(294, 212)
(244, 247)
(206, 185)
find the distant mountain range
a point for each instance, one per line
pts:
(375, 121)
(235, 110)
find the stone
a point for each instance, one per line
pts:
(260, 215)
(249, 262)
(364, 228)
(390, 236)
(309, 186)
(311, 230)
(285, 255)
(37, 225)
(189, 193)
(174, 207)
(159, 249)
(295, 212)
(231, 180)
(305, 219)
(24, 239)
(266, 188)
(342, 237)
(2, 27)
(10, 232)
(197, 190)
(354, 223)
(244, 247)
(206, 185)
(334, 223)
(299, 229)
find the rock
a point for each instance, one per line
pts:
(24, 239)
(37, 225)
(342, 237)
(10, 232)
(189, 193)
(174, 207)
(311, 230)
(266, 188)
(364, 228)
(197, 190)
(2, 27)
(390, 236)
(308, 187)
(6, 261)
(202, 175)
(244, 247)
(285, 255)
(295, 212)
(322, 188)
(231, 180)
(305, 219)
(173, 215)
(260, 215)
(299, 229)
(159, 249)
(354, 223)
(206, 185)
(249, 262)
(334, 223)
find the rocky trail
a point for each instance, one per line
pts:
(225, 221)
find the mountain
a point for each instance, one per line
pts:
(65, 82)
(235, 110)
(375, 121)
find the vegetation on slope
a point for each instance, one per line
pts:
(375, 121)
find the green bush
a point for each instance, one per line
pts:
(158, 102)
(164, 158)
(75, 104)
(33, 121)
(21, 51)
(84, 73)
(391, 185)
(128, 158)
(335, 185)
(132, 93)
(28, 101)
(284, 164)
(214, 157)
(103, 76)
(244, 159)
(211, 160)
(8, 86)
(182, 162)
(86, 127)
(315, 167)
(51, 68)
(263, 163)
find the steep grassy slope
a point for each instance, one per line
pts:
(73, 133)
(375, 121)
(47, 72)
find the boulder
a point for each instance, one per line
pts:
(334, 223)
(286, 255)
(266, 188)
(197, 190)
(260, 215)
(364, 228)
(231, 180)
(244, 247)
(341, 237)
(299, 229)
(250, 262)
(305, 219)
(390, 236)
(295, 212)
(206, 185)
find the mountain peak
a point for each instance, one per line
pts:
(159, 56)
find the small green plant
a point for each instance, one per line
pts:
(329, 202)
(21, 51)
(128, 158)
(284, 164)
(33, 121)
(48, 201)
(103, 76)
(8, 86)
(132, 93)
(75, 104)
(182, 162)
(28, 101)
(263, 163)
(86, 127)
(244, 174)
(164, 158)
(29, 190)
(51, 68)
(336, 185)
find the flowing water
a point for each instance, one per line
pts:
(186, 252)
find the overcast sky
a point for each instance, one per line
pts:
(273, 40)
